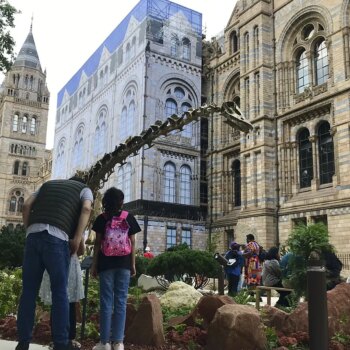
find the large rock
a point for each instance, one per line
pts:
(147, 325)
(236, 327)
(148, 283)
(180, 294)
(208, 305)
(338, 301)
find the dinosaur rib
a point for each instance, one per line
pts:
(99, 173)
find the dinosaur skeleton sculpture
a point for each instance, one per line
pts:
(99, 173)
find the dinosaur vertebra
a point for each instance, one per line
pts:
(99, 173)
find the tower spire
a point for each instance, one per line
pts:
(31, 24)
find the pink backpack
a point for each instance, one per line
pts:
(116, 241)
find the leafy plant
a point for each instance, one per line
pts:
(169, 312)
(272, 338)
(184, 264)
(243, 297)
(341, 338)
(10, 291)
(304, 242)
(12, 243)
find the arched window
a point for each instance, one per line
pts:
(124, 117)
(78, 147)
(15, 123)
(256, 45)
(246, 53)
(131, 118)
(16, 202)
(100, 133)
(24, 124)
(133, 47)
(174, 48)
(185, 185)
(60, 160)
(13, 204)
(127, 52)
(305, 158)
(186, 49)
(234, 42)
(187, 130)
(170, 107)
(16, 167)
(321, 62)
(302, 72)
(326, 153)
(236, 175)
(169, 183)
(25, 170)
(32, 125)
(124, 181)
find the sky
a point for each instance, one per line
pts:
(67, 32)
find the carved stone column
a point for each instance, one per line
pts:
(336, 176)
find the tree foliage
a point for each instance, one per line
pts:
(11, 247)
(7, 43)
(181, 263)
(303, 242)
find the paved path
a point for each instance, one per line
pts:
(10, 345)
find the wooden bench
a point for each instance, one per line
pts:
(268, 292)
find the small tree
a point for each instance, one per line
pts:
(7, 43)
(302, 243)
(180, 263)
(11, 247)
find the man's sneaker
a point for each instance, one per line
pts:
(101, 346)
(118, 346)
(22, 346)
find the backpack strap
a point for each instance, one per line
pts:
(124, 214)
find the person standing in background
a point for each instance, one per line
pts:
(253, 266)
(148, 254)
(233, 269)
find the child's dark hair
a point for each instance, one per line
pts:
(112, 200)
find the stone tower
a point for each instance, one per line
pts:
(24, 105)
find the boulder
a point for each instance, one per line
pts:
(148, 283)
(208, 305)
(147, 325)
(180, 294)
(236, 327)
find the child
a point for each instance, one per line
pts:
(114, 272)
(233, 269)
(75, 292)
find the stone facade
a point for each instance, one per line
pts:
(286, 63)
(24, 104)
(148, 68)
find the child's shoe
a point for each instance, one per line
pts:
(101, 346)
(118, 346)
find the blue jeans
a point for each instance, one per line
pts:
(44, 251)
(114, 285)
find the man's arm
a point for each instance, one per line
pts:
(27, 206)
(82, 223)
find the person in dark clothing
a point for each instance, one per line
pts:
(55, 218)
(272, 275)
(233, 269)
(333, 268)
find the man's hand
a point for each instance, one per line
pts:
(74, 245)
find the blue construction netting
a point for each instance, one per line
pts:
(159, 9)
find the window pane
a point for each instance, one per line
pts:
(302, 70)
(326, 153)
(169, 183)
(186, 237)
(170, 237)
(321, 62)
(170, 107)
(305, 159)
(236, 174)
(185, 185)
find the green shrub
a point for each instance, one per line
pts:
(141, 268)
(183, 264)
(11, 247)
(10, 291)
(302, 243)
